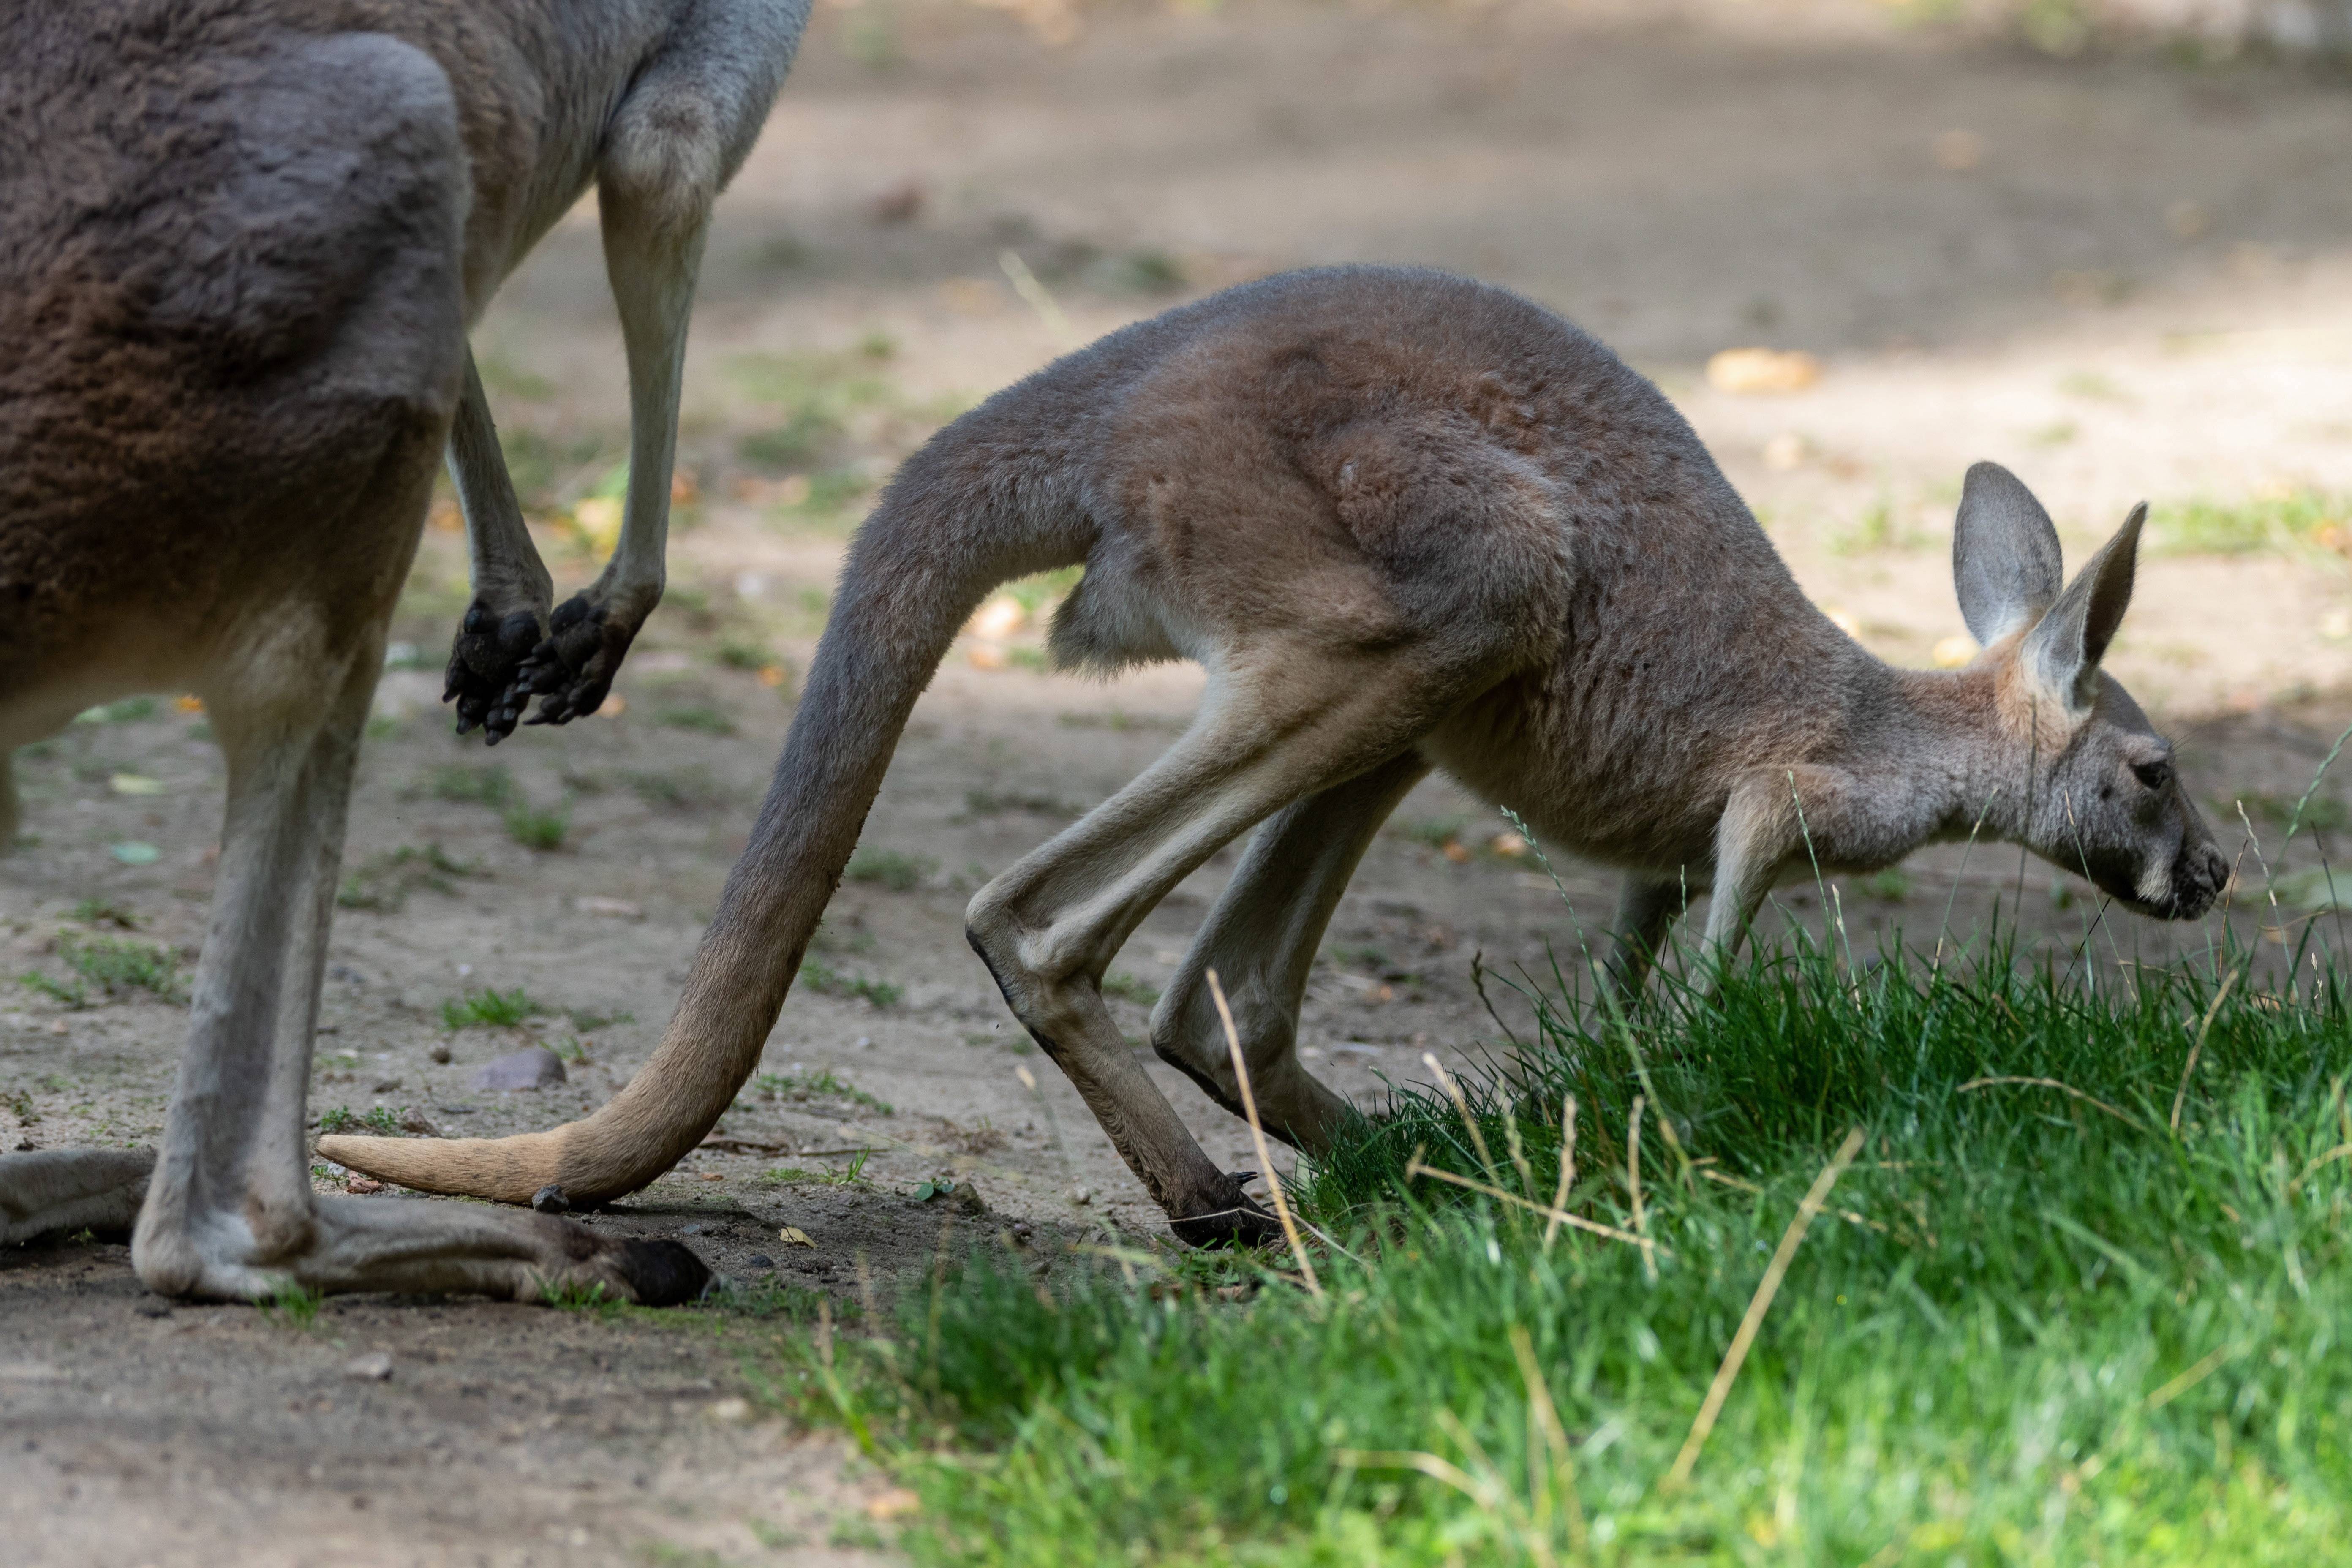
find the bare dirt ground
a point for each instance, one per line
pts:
(2124, 279)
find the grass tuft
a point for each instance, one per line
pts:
(490, 1009)
(891, 869)
(2029, 1319)
(538, 827)
(805, 1086)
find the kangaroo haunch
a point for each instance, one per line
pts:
(1405, 522)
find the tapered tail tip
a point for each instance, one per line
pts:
(503, 1170)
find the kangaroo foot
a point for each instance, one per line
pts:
(574, 669)
(486, 665)
(1230, 1218)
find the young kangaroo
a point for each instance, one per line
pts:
(1405, 522)
(240, 245)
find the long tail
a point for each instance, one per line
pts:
(916, 571)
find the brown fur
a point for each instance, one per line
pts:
(1403, 521)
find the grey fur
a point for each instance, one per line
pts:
(240, 244)
(1403, 521)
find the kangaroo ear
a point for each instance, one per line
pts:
(2065, 649)
(2005, 562)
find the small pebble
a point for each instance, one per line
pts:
(376, 1367)
(551, 1199)
(758, 1260)
(534, 1067)
(439, 1053)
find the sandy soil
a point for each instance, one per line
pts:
(2123, 279)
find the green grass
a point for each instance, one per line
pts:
(821, 1084)
(997, 802)
(487, 783)
(383, 1120)
(2299, 521)
(2031, 1324)
(900, 872)
(700, 717)
(805, 401)
(538, 827)
(1126, 987)
(691, 788)
(383, 882)
(66, 992)
(737, 653)
(128, 711)
(850, 1176)
(115, 965)
(294, 1306)
(823, 977)
(490, 1009)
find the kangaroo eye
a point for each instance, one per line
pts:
(2155, 775)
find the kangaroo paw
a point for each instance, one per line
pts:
(661, 1273)
(572, 669)
(1236, 1220)
(486, 667)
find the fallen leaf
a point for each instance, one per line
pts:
(617, 908)
(794, 1235)
(1745, 371)
(896, 1503)
(134, 783)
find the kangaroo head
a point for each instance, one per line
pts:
(2086, 781)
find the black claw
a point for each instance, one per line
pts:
(661, 1273)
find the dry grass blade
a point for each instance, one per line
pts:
(1567, 1168)
(1415, 1168)
(1257, 1136)
(2190, 1378)
(1757, 1305)
(1484, 1494)
(1544, 1417)
(1511, 1140)
(1633, 1181)
(2124, 1117)
(2180, 1095)
(1462, 1104)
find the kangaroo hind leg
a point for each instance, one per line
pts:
(1647, 908)
(1280, 724)
(1261, 940)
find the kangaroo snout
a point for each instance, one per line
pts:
(2198, 877)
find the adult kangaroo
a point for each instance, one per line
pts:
(241, 242)
(1405, 522)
